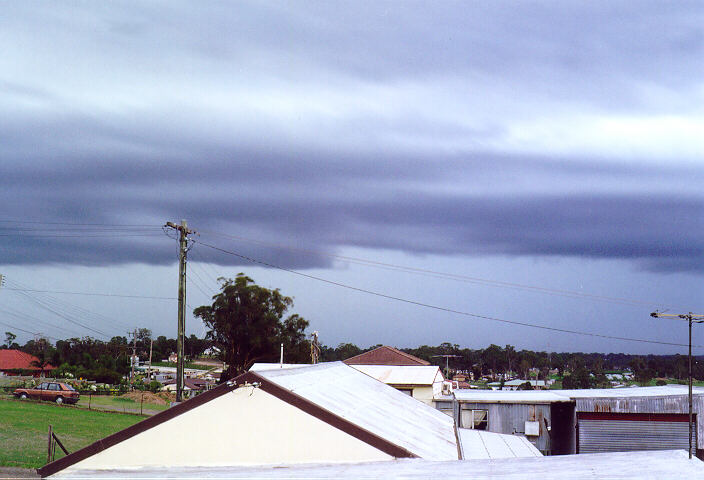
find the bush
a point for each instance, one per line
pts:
(104, 375)
(660, 382)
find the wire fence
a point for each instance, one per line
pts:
(139, 402)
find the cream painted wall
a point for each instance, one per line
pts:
(244, 427)
(424, 394)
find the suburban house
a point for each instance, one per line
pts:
(16, 362)
(422, 382)
(562, 422)
(406, 373)
(189, 384)
(385, 355)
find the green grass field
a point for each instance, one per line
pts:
(24, 427)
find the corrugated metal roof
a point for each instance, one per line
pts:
(661, 391)
(402, 374)
(483, 445)
(372, 405)
(670, 464)
(510, 396)
(551, 396)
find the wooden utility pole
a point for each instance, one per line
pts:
(149, 372)
(182, 251)
(134, 356)
(691, 318)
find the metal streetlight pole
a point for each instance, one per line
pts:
(691, 318)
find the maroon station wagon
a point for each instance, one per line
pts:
(51, 391)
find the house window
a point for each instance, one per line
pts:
(407, 391)
(475, 419)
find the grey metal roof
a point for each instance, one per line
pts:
(510, 396)
(483, 445)
(670, 464)
(372, 405)
(552, 396)
(629, 392)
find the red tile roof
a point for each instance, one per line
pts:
(385, 355)
(16, 359)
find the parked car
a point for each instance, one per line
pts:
(50, 391)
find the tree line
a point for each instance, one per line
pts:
(248, 323)
(102, 361)
(108, 362)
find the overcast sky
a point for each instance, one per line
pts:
(555, 145)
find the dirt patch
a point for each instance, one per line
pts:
(12, 472)
(161, 398)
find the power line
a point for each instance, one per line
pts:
(80, 235)
(94, 294)
(28, 318)
(47, 306)
(80, 224)
(14, 327)
(195, 283)
(76, 310)
(439, 308)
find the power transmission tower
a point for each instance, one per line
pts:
(691, 318)
(184, 231)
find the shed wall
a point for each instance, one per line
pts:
(647, 404)
(510, 418)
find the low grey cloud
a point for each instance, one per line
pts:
(464, 129)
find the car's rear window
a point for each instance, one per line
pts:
(68, 387)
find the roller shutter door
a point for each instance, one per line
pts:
(628, 432)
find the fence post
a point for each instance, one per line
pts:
(48, 454)
(90, 397)
(141, 401)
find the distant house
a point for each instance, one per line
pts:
(411, 375)
(385, 355)
(211, 352)
(16, 362)
(195, 384)
(173, 358)
(422, 382)
(514, 384)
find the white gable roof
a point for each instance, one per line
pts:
(402, 374)
(374, 406)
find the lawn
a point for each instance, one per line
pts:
(24, 427)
